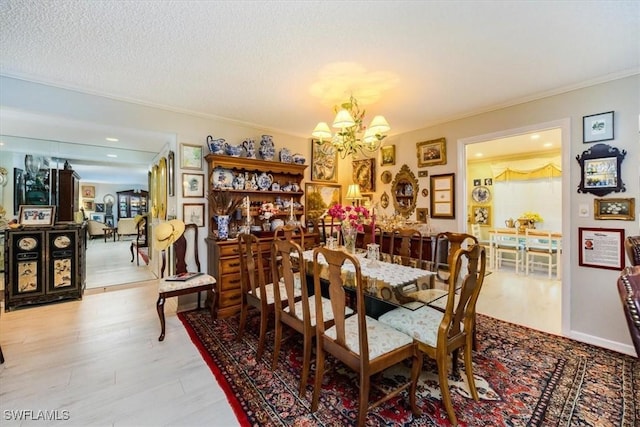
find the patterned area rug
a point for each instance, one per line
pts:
(524, 378)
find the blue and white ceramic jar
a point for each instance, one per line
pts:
(223, 226)
(267, 149)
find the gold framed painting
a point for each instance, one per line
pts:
(621, 209)
(388, 155)
(364, 174)
(320, 197)
(324, 161)
(88, 191)
(481, 215)
(431, 153)
(422, 215)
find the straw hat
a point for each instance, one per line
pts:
(138, 218)
(168, 232)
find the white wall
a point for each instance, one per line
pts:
(543, 196)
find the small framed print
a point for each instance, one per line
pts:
(88, 205)
(481, 215)
(442, 196)
(476, 182)
(432, 152)
(192, 185)
(193, 213)
(621, 209)
(99, 207)
(601, 248)
(422, 215)
(36, 215)
(191, 156)
(597, 127)
(388, 153)
(423, 174)
(488, 181)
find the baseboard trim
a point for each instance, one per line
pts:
(600, 342)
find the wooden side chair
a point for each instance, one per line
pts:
(316, 225)
(370, 234)
(185, 247)
(290, 232)
(294, 308)
(141, 238)
(441, 333)
(402, 246)
(360, 342)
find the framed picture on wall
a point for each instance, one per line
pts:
(431, 153)
(597, 127)
(388, 155)
(442, 196)
(364, 174)
(320, 197)
(621, 209)
(88, 191)
(191, 156)
(481, 215)
(193, 213)
(601, 248)
(324, 161)
(192, 185)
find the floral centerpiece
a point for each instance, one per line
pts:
(531, 217)
(350, 216)
(268, 210)
(352, 220)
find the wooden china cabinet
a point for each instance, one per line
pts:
(222, 255)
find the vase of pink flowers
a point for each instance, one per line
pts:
(352, 220)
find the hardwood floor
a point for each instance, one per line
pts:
(100, 359)
(109, 263)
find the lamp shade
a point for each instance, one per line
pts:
(379, 125)
(322, 131)
(353, 192)
(343, 120)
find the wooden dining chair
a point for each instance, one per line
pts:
(294, 307)
(290, 232)
(442, 333)
(453, 242)
(185, 249)
(370, 234)
(256, 293)
(402, 246)
(360, 342)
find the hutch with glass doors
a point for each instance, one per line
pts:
(132, 203)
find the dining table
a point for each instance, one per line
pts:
(386, 285)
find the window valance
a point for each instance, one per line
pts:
(528, 169)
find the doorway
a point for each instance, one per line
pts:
(531, 300)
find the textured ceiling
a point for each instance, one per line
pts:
(282, 65)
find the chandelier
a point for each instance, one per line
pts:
(352, 136)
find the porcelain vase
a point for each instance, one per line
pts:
(223, 226)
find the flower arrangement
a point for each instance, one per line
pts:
(350, 216)
(533, 216)
(268, 210)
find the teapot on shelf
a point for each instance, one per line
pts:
(510, 223)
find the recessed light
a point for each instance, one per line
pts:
(548, 144)
(535, 136)
(112, 139)
(479, 154)
(112, 155)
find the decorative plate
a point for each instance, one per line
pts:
(27, 243)
(386, 177)
(222, 179)
(384, 200)
(425, 192)
(481, 194)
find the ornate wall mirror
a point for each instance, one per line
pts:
(404, 190)
(601, 170)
